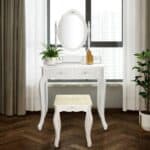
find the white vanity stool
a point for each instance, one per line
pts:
(73, 103)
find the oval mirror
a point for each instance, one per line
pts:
(72, 30)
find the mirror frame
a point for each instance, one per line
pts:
(74, 12)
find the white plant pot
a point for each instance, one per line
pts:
(144, 121)
(50, 61)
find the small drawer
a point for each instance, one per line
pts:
(59, 73)
(87, 73)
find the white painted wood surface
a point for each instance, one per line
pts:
(73, 72)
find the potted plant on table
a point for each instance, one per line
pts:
(50, 55)
(143, 80)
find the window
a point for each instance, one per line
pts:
(112, 59)
(105, 17)
(106, 21)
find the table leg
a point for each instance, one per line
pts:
(43, 103)
(57, 127)
(101, 92)
(88, 127)
(46, 92)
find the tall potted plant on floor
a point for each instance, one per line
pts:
(143, 80)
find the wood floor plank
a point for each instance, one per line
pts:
(124, 133)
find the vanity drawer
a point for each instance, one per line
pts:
(73, 72)
(86, 73)
(60, 73)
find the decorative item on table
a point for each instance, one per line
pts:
(50, 55)
(89, 55)
(143, 81)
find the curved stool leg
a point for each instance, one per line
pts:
(88, 126)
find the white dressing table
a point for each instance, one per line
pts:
(74, 73)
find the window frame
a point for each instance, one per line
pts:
(88, 12)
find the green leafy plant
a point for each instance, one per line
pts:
(143, 79)
(50, 52)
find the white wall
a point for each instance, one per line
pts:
(113, 94)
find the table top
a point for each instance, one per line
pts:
(72, 65)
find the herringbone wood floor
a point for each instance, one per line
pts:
(20, 133)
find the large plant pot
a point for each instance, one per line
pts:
(50, 61)
(144, 121)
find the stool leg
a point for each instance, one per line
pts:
(88, 127)
(57, 127)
